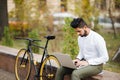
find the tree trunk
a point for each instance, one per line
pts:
(111, 17)
(112, 22)
(3, 16)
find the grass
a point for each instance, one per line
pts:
(112, 45)
(18, 44)
(112, 66)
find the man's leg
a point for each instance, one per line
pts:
(87, 71)
(61, 72)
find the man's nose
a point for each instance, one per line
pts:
(78, 33)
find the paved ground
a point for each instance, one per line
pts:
(4, 75)
(107, 75)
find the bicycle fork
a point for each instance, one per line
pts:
(24, 61)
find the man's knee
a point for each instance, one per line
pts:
(77, 74)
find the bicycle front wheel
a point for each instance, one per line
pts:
(49, 68)
(22, 65)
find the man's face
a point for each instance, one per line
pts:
(81, 31)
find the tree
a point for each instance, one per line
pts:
(3, 16)
(110, 10)
(84, 9)
(19, 10)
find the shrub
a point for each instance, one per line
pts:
(34, 34)
(19, 28)
(7, 39)
(70, 39)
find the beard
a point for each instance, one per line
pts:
(85, 34)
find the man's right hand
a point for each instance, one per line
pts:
(76, 61)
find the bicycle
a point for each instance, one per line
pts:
(25, 61)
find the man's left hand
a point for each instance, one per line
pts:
(83, 63)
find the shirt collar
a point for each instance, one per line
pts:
(89, 34)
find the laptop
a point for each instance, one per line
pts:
(66, 61)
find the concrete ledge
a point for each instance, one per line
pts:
(7, 60)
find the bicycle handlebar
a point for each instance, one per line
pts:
(29, 39)
(32, 40)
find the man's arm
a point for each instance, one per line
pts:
(103, 54)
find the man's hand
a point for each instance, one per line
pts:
(78, 63)
(83, 63)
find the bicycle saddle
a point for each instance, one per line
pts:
(50, 37)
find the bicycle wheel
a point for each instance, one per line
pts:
(22, 65)
(49, 68)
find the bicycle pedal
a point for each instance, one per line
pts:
(50, 75)
(22, 66)
(35, 62)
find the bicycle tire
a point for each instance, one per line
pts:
(49, 67)
(23, 65)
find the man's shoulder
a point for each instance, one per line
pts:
(95, 34)
(97, 37)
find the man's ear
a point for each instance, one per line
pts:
(85, 27)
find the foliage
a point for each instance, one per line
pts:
(97, 27)
(112, 66)
(18, 1)
(82, 8)
(34, 34)
(34, 13)
(19, 10)
(18, 28)
(70, 39)
(7, 39)
(89, 13)
(117, 3)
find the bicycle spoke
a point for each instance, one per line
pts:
(22, 65)
(48, 71)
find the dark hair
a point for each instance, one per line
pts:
(78, 22)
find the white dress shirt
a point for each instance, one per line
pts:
(93, 49)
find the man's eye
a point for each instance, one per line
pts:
(78, 31)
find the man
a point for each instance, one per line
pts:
(92, 54)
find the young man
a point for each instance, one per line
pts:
(92, 54)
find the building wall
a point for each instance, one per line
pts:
(10, 5)
(71, 6)
(53, 5)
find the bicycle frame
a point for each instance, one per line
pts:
(45, 54)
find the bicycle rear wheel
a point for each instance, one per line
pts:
(49, 68)
(22, 65)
